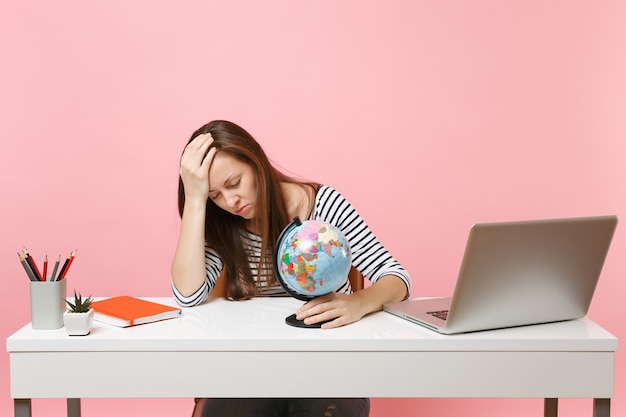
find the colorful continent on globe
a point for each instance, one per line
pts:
(300, 262)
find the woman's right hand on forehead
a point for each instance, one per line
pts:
(194, 167)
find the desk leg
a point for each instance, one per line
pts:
(601, 407)
(21, 407)
(550, 407)
(73, 407)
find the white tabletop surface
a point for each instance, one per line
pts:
(258, 325)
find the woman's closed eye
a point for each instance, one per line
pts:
(231, 186)
(234, 184)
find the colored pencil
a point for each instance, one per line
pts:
(54, 270)
(63, 268)
(32, 264)
(71, 259)
(29, 272)
(66, 266)
(45, 269)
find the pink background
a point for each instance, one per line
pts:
(428, 116)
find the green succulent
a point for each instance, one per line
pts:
(80, 305)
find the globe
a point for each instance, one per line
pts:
(312, 258)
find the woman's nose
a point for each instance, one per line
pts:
(232, 199)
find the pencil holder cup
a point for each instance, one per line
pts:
(47, 304)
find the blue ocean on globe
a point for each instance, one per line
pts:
(312, 258)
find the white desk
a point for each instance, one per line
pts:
(198, 354)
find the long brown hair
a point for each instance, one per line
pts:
(223, 230)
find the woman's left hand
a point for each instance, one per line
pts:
(340, 309)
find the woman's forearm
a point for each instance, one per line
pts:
(387, 289)
(188, 266)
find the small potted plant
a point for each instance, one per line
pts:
(79, 316)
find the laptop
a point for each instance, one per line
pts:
(519, 273)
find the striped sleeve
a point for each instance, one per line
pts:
(369, 256)
(213, 265)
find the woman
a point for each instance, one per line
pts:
(234, 204)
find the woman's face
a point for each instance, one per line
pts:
(232, 185)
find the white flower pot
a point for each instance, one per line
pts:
(78, 324)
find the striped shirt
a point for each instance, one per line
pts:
(369, 256)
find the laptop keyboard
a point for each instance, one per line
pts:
(441, 314)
